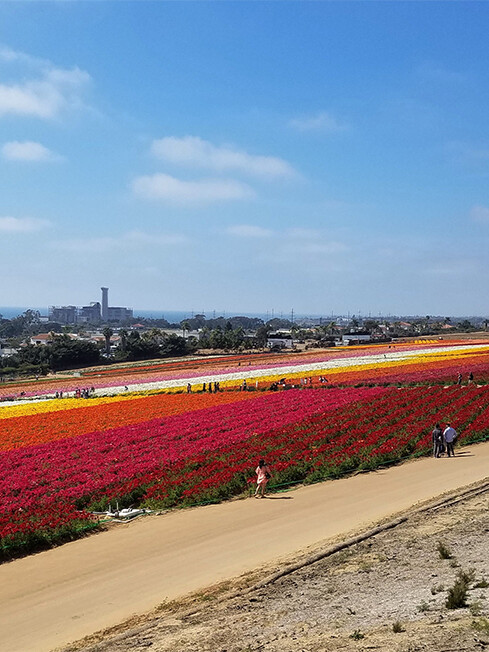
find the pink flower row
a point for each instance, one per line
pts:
(68, 469)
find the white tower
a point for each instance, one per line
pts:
(105, 304)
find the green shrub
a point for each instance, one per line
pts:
(444, 550)
(457, 594)
(357, 635)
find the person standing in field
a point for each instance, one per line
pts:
(471, 377)
(263, 475)
(437, 438)
(450, 435)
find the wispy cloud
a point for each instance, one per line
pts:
(192, 151)
(129, 240)
(249, 231)
(321, 121)
(50, 91)
(302, 233)
(469, 153)
(9, 55)
(167, 188)
(331, 247)
(22, 224)
(480, 214)
(435, 72)
(291, 243)
(28, 151)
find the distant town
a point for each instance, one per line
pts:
(72, 336)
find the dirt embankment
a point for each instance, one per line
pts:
(386, 593)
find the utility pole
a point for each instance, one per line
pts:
(292, 315)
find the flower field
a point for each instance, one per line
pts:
(63, 459)
(344, 365)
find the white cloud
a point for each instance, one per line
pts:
(193, 151)
(168, 188)
(319, 122)
(45, 96)
(480, 214)
(434, 72)
(292, 243)
(322, 247)
(27, 151)
(125, 241)
(139, 237)
(468, 153)
(301, 233)
(9, 55)
(249, 231)
(22, 224)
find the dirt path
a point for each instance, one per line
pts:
(386, 593)
(55, 597)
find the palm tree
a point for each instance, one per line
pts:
(185, 327)
(123, 335)
(107, 333)
(332, 328)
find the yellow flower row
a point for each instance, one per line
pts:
(56, 405)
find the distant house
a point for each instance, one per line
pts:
(6, 352)
(405, 325)
(100, 339)
(47, 338)
(280, 339)
(41, 339)
(355, 338)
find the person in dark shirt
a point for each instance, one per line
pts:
(437, 437)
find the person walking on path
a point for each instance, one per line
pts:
(263, 475)
(450, 435)
(437, 437)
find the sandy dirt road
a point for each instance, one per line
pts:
(55, 597)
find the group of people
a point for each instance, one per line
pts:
(206, 387)
(86, 392)
(443, 440)
(470, 379)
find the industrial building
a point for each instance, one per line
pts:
(94, 313)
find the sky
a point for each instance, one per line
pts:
(325, 157)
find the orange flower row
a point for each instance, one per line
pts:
(18, 432)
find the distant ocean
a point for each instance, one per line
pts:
(173, 316)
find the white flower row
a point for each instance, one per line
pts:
(253, 374)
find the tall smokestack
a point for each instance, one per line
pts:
(105, 304)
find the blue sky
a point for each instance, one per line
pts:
(246, 156)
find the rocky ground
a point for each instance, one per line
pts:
(386, 593)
